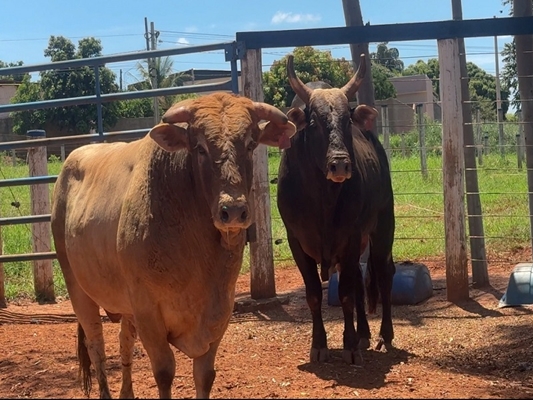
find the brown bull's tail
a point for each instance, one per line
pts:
(371, 280)
(84, 372)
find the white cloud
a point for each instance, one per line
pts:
(182, 41)
(283, 17)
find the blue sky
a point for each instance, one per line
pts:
(26, 25)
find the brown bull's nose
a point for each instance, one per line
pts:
(233, 214)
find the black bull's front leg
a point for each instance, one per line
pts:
(313, 293)
(351, 293)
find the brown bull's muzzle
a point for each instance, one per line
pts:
(339, 168)
(232, 216)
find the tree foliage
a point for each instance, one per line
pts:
(509, 76)
(17, 78)
(311, 65)
(388, 58)
(77, 82)
(383, 87)
(25, 120)
(66, 83)
(431, 69)
(482, 86)
(509, 72)
(165, 77)
(483, 92)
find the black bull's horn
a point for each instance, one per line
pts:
(305, 93)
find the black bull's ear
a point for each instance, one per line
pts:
(363, 117)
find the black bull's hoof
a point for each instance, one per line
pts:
(319, 355)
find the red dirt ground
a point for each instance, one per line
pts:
(469, 350)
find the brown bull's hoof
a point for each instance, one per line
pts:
(319, 355)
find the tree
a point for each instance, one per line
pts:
(18, 78)
(509, 74)
(165, 78)
(310, 65)
(383, 87)
(388, 57)
(144, 107)
(482, 86)
(431, 69)
(76, 82)
(136, 108)
(25, 120)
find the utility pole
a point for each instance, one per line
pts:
(151, 41)
(499, 115)
(153, 71)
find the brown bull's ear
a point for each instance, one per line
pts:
(170, 137)
(297, 116)
(363, 117)
(276, 134)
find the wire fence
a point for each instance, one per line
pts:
(416, 169)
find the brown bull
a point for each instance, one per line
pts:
(153, 231)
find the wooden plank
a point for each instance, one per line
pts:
(262, 279)
(3, 303)
(41, 243)
(524, 69)
(387, 32)
(480, 274)
(453, 171)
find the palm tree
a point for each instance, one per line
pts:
(165, 77)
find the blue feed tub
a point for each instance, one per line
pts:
(411, 285)
(520, 287)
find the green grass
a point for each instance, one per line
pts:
(17, 239)
(419, 211)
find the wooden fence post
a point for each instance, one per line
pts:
(524, 69)
(263, 284)
(479, 140)
(3, 303)
(386, 130)
(453, 171)
(40, 204)
(422, 140)
(520, 141)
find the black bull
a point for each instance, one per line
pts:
(334, 196)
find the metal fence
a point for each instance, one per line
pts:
(247, 49)
(231, 54)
